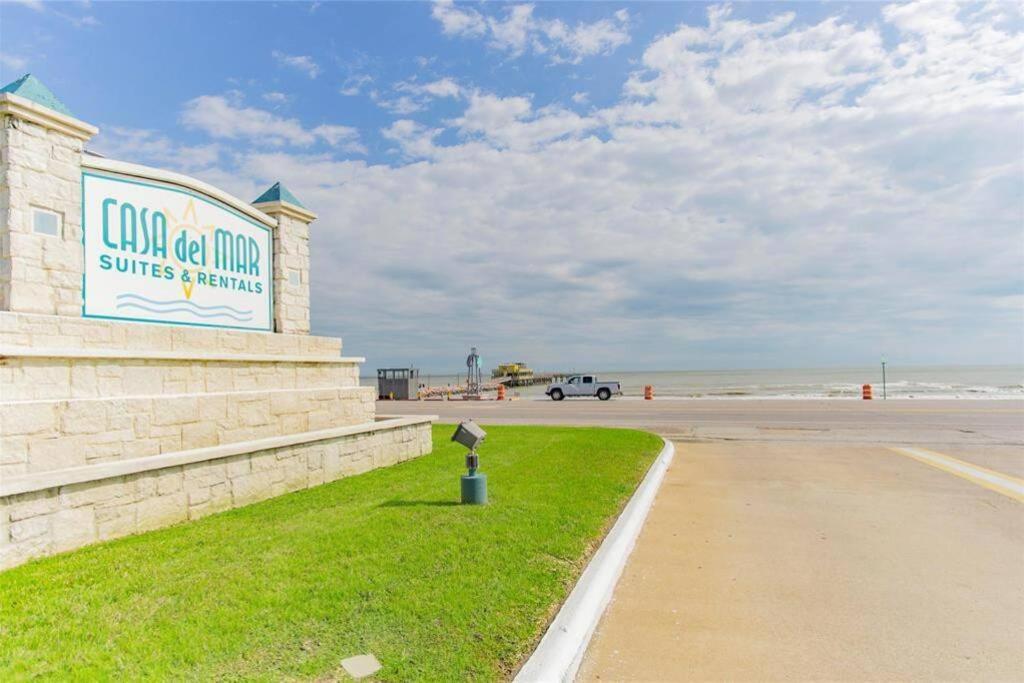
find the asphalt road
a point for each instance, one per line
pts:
(919, 422)
(809, 540)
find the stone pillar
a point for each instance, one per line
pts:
(291, 258)
(41, 147)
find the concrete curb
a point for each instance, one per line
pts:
(560, 652)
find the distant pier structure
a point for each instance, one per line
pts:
(534, 378)
(404, 383)
(518, 374)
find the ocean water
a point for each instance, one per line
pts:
(980, 382)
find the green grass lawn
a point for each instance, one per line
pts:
(385, 562)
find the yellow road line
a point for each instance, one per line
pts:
(994, 481)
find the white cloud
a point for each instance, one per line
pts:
(511, 122)
(414, 96)
(149, 147)
(414, 139)
(762, 190)
(345, 138)
(354, 84)
(400, 104)
(303, 63)
(520, 31)
(514, 32)
(88, 21)
(12, 62)
(587, 40)
(277, 98)
(580, 98)
(34, 5)
(224, 117)
(221, 118)
(443, 87)
(458, 21)
(76, 20)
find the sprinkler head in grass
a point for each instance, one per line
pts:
(474, 484)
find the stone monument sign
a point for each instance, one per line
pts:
(155, 357)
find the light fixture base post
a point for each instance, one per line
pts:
(474, 489)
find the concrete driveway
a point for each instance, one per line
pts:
(771, 561)
(810, 540)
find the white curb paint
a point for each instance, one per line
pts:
(560, 652)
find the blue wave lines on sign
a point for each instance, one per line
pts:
(140, 302)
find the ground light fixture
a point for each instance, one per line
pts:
(474, 485)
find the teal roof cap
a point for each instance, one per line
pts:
(279, 193)
(31, 88)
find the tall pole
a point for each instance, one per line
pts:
(884, 396)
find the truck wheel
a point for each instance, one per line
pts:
(604, 394)
(557, 395)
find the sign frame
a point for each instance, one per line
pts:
(196, 195)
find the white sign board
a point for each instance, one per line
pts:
(156, 253)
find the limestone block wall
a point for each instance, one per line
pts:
(125, 427)
(40, 167)
(61, 332)
(6, 268)
(62, 518)
(42, 436)
(60, 376)
(291, 307)
(291, 267)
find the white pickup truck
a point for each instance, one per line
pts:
(582, 385)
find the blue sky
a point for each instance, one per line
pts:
(602, 185)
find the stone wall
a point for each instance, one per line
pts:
(291, 259)
(66, 517)
(59, 332)
(291, 306)
(42, 436)
(5, 222)
(40, 167)
(98, 440)
(65, 377)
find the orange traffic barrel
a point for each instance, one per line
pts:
(501, 392)
(866, 392)
(648, 392)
